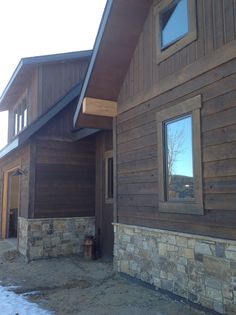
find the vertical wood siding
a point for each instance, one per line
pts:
(216, 26)
(56, 80)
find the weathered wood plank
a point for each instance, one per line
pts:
(219, 152)
(134, 166)
(218, 136)
(138, 177)
(220, 185)
(136, 144)
(142, 154)
(220, 168)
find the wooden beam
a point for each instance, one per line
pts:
(97, 107)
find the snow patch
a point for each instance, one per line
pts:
(11, 303)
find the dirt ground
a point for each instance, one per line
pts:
(71, 286)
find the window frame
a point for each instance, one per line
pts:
(108, 155)
(191, 106)
(191, 35)
(19, 115)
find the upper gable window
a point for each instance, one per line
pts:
(174, 22)
(175, 26)
(20, 116)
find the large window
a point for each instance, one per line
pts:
(179, 155)
(175, 26)
(20, 117)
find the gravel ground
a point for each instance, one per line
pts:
(71, 286)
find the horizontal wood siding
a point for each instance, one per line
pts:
(137, 159)
(64, 179)
(64, 171)
(216, 26)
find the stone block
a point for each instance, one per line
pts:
(213, 283)
(230, 255)
(162, 249)
(183, 261)
(188, 253)
(218, 307)
(227, 292)
(220, 250)
(217, 268)
(202, 248)
(191, 243)
(181, 241)
(214, 294)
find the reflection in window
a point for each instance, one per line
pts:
(174, 23)
(179, 159)
(25, 118)
(16, 123)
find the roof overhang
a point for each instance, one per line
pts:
(116, 40)
(25, 70)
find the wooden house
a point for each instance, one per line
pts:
(166, 71)
(47, 175)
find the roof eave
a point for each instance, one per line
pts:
(93, 58)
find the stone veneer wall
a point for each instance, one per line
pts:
(42, 238)
(199, 268)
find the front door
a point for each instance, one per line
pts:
(104, 195)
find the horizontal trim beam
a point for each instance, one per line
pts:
(98, 107)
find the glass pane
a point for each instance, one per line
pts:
(20, 122)
(16, 124)
(110, 178)
(179, 160)
(174, 23)
(25, 118)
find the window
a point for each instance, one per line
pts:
(179, 155)
(20, 117)
(108, 177)
(175, 26)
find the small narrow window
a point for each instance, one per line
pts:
(108, 177)
(16, 123)
(25, 112)
(20, 117)
(20, 122)
(179, 156)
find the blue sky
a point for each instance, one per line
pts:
(177, 24)
(43, 27)
(182, 130)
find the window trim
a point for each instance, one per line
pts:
(191, 106)
(108, 155)
(183, 41)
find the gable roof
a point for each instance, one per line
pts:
(26, 67)
(116, 40)
(45, 118)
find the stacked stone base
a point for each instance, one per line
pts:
(200, 269)
(43, 238)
